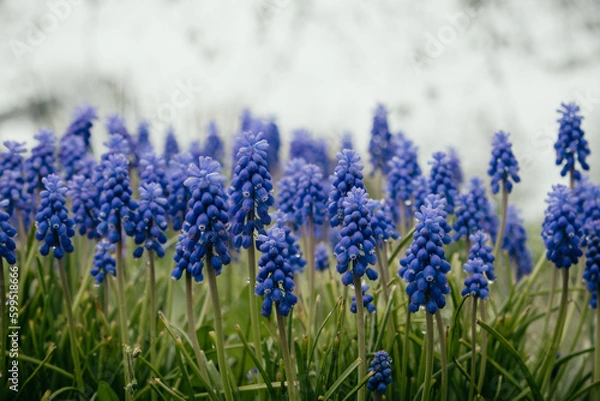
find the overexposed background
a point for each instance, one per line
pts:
(450, 72)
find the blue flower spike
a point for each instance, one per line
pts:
(54, 226)
(367, 300)
(347, 175)
(442, 180)
(150, 222)
(571, 146)
(104, 262)
(7, 233)
(591, 274)
(41, 163)
(85, 201)
(504, 168)
(515, 243)
(381, 365)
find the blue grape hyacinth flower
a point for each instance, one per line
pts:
(381, 146)
(381, 222)
(85, 201)
(321, 257)
(442, 181)
(54, 226)
(347, 175)
(403, 171)
(74, 158)
(356, 250)
(367, 300)
(7, 233)
(150, 220)
(515, 243)
(591, 274)
(425, 267)
(12, 160)
(179, 194)
(455, 167)
(476, 284)
(82, 123)
(275, 279)
(468, 217)
(152, 168)
(489, 221)
(115, 124)
(312, 150)
(503, 164)
(271, 135)
(104, 262)
(481, 250)
(310, 198)
(571, 146)
(297, 262)
(13, 190)
(116, 144)
(381, 364)
(205, 235)
(41, 162)
(287, 188)
(143, 144)
(561, 229)
(213, 146)
(251, 190)
(117, 207)
(171, 145)
(588, 205)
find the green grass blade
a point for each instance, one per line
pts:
(261, 370)
(358, 386)
(341, 379)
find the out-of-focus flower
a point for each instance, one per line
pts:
(104, 262)
(571, 146)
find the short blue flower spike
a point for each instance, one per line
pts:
(297, 262)
(143, 145)
(382, 366)
(82, 123)
(347, 175)
(515, 243)
(381, 146)
(571, 146)
(489, 221)
(7, 233)
(13, 190)
(503, 165)
(150, 220)
(213, 146)
(591, 274)
(403, 171)
(41, 163)
(425, 267)
(479, 266)
(179, 194)
(104, 262)
(455, 167)
(561, 229)
(367, 301)
(275, 279)
(310, 200)
(287, 188)
(442, 181)
(312, 150)
(321, 257)
(54, 226)
(116, 144)
(381, 222)
(356, 250)
(85, 201)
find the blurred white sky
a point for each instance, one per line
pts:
(451, 72)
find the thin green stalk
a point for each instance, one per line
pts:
(551, 301)
(443, 358)
(254, 322)
(287, 360)
(473, 348)
(2, 319)
(192, 326)
(597, 354)
(70, 324)
(483, 362)
(405, 345)
(362, 339)
(214, 295)
(429, 356)
(130, 383)
(500, 237)
(153, 311)
(558, 332)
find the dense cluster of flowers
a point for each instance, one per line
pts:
(442, 181)
(82, 123)
(591, 274)
(84, 204)
(479, 266)
(41, 163)
(381, 146)
(347, 175)
(366, 298)
(503, 165)
(571, 146)
(104, 263)
(7, 233)
(515, 243)
(381, 364)
(382, 225)
(179, 194)
(150, 220)
(310, 198)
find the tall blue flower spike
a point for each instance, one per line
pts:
(143, 145)
(311, 198)
(81, 124)
(117, 208)
(205, 228)
(489, 221)
(151, 221)
(479, 266)
(116, 144)
(442, 181)
(455, 167)
(425, 267)
(503, 164)
(152, 169)
(287, 188)
(313, 151)
(251, 190)
(356, 250)
(297, 262)
(571, 146)
(115, 124)
(468, 217)
(515, 243)
(54, 226)
(7, 233)
(85, 201)
(591, 274)
(171, 145)
(381, 146)
(588, 205)
(367, 300)
(41, 163)
(381, 222)
(382, 366)
(104, 262)
(271, 134)
(275, 279)
(179, 194)
(561, 229)
(476, 284)
(321, 257)
(347, 175)
(481, 250)
(403, 170)
(12, 160)
(74, 158)
(213, 146)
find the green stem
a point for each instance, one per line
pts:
(483, 362)
(71, 324)
(287, 360)
(214, 295)
(153, 311)
(124, 328)
(551, 301)
(429, 356)
(3, 333)
(500, 236)
(405, 345)
(473, 348)
(362, 339)
(443, 358)
(192, 325)
(546, 370)
(254, 322)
